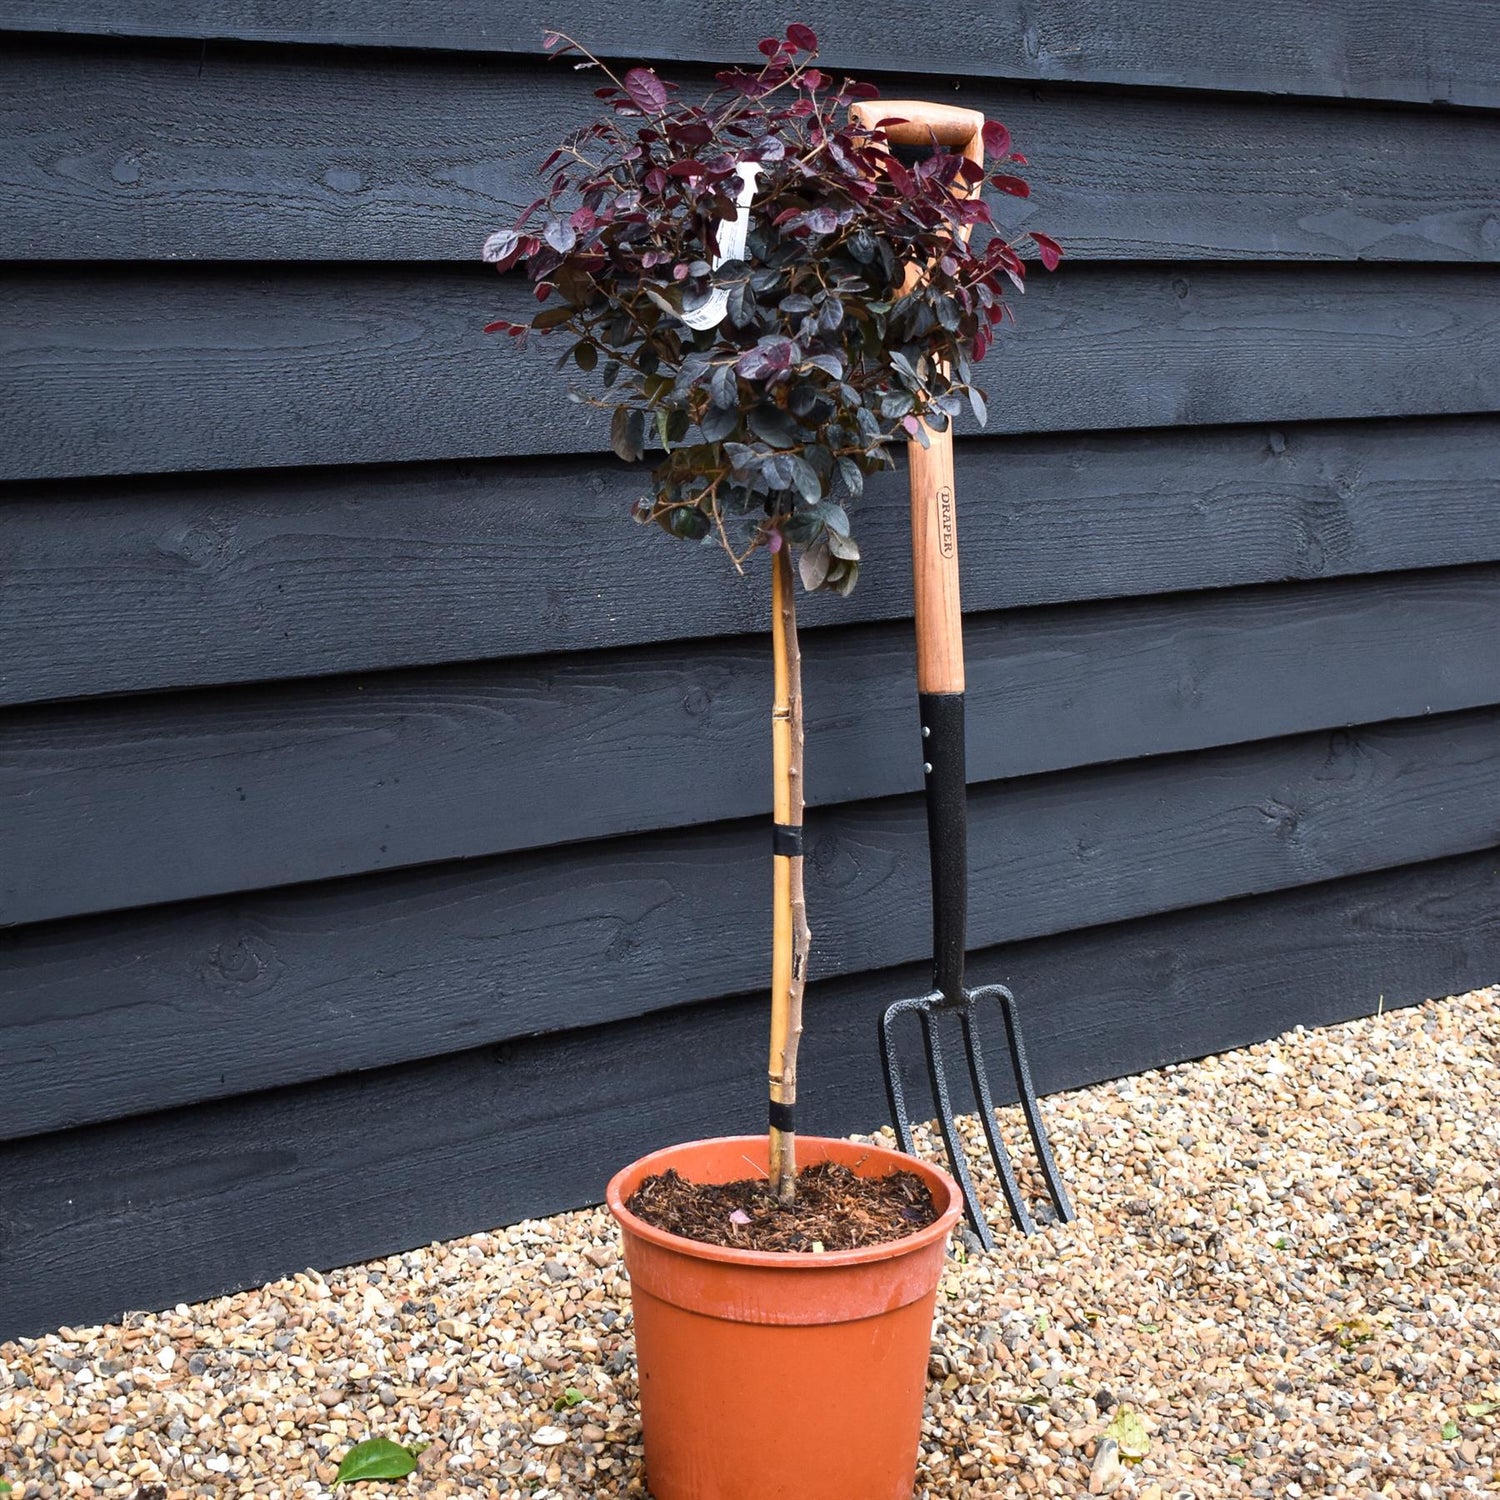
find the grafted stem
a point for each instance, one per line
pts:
(791, 938)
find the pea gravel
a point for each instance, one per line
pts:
(1287, 1272)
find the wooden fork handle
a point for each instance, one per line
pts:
(934, 516)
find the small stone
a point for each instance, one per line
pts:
(556, 1270)
(1107, 1473)
(549, 1437)
(166, 1358)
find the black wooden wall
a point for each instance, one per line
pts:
(382, 817)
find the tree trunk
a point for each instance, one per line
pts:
(792, 939)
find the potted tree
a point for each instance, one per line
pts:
(761, 287)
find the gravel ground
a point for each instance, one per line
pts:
(1288, 1272)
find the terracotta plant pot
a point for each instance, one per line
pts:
(777, 1376)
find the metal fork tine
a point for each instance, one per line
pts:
(949, 1126)
(998, 1154)
(1029, 1104)
(895, 1090)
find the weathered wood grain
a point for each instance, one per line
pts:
(129, 371)
(126, 586)
(109, 1016)
(168, 153)
(1444, 51)
(142, 801)
(194, 1202)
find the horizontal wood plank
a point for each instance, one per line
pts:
(1345, 48)
(129, 371)
(133, 585)
(195, 1202)
(147, 801)
(109, 1016)
(168, 153)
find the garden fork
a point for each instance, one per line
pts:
(940, 688)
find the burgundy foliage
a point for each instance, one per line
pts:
(770, 421)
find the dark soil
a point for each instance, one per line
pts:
(835, 1210)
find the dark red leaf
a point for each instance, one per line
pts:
(560, 235)
(582, 219)
(803, 37)
(646, 90)
(502, 246)
(744, 83)
(502, 325)
(769, 46)
(996, 138)
(1017, 187)
(765, 359)
(812, 80)
(1048, 248)
(905, 184)
(857, 90)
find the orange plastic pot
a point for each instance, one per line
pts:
(774, 1376)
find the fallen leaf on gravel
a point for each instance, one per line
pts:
(1129, 1432)
(377, 1458)
(1347, 1333)
(1481, 1408)
(1450, 1432)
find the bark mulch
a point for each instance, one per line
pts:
(834, 1210)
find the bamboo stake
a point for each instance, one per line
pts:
(791, 938)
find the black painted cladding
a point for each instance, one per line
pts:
(374, 802)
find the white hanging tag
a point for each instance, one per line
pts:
(731, 238)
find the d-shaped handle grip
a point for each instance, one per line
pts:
(921, 122)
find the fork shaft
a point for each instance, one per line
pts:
(947, 837)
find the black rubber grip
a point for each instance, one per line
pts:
(781, 1117)
(786, 840)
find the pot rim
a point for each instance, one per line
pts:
(791, 1260)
